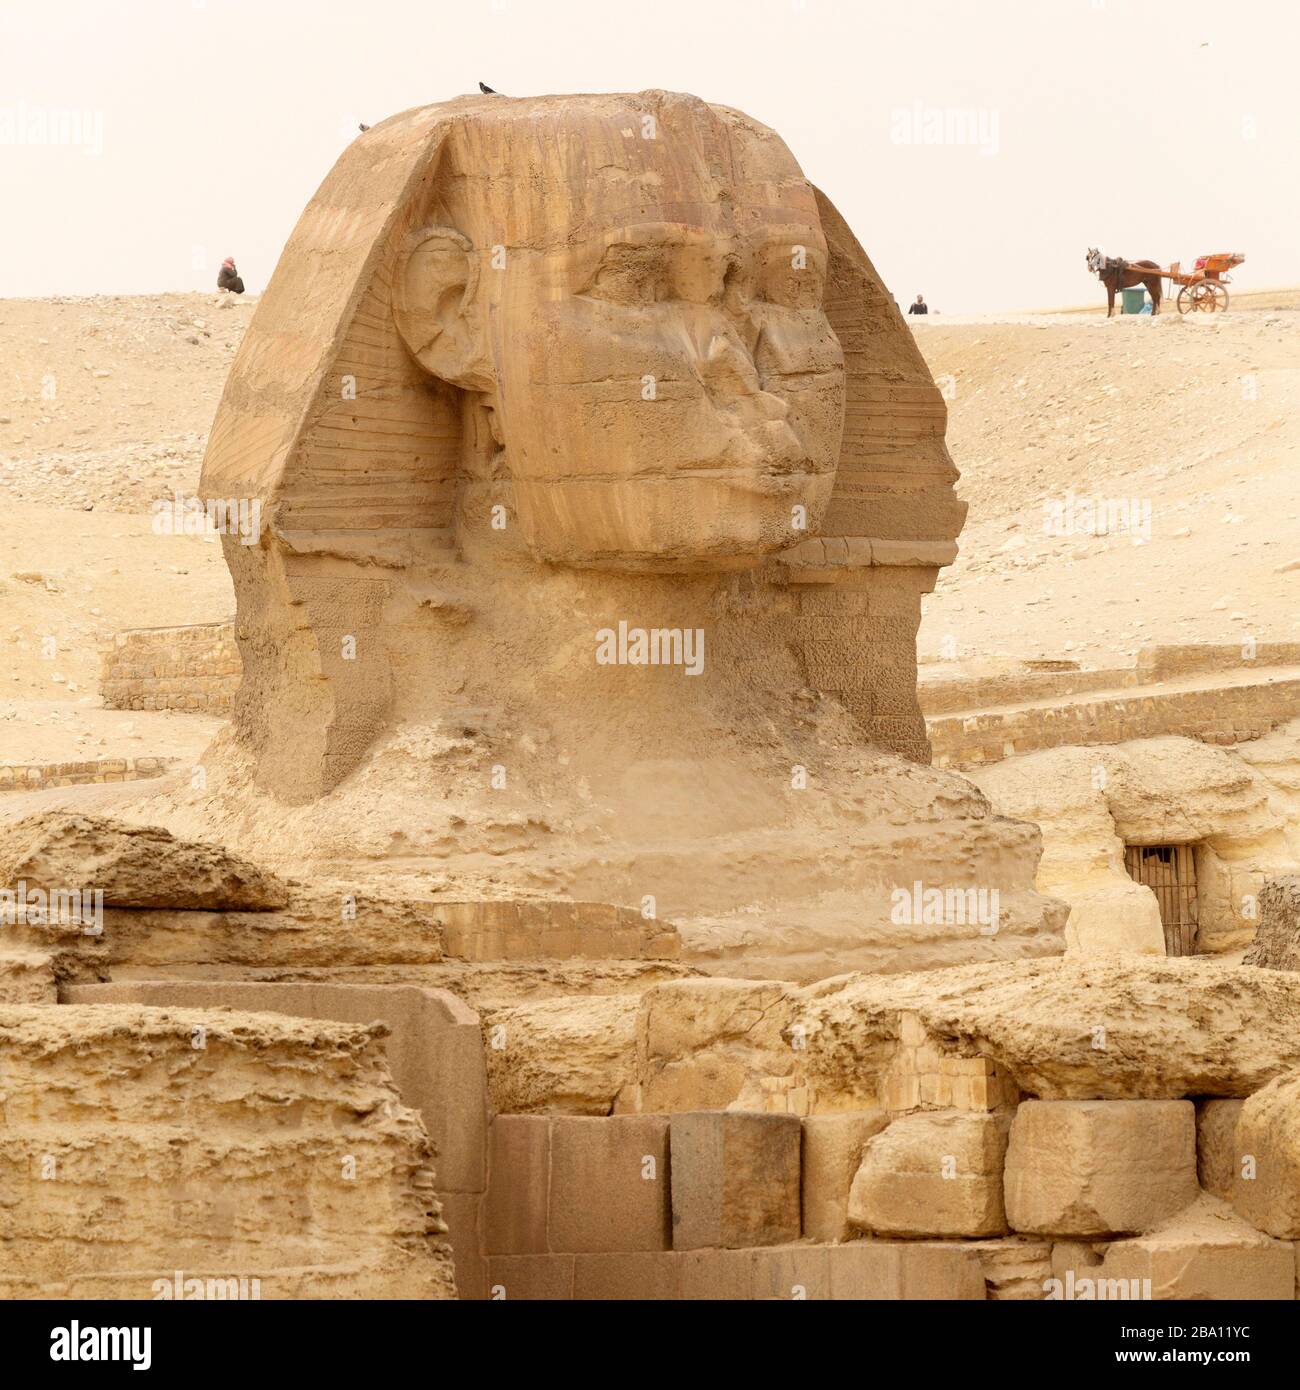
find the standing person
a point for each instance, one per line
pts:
(228, 277)
(920, 307)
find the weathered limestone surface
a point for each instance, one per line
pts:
(567, 1055)
(434, 1050)
(134, 866)
(1093, 1168)
(1155, 790)
(1218, 1154)
(27, 977)
(1065, 1029)
(1016, 1268)
(1068, 1029)
(432, 1044)
(1203, 1252)
(171, 1126)
(1277, 941)
(937, 1174)
(1268, 1130)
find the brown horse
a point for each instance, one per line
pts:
(1126, 275)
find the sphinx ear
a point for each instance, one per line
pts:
(435, 306)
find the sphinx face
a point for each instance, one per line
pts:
(669, 391)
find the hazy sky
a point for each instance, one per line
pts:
(195, 129)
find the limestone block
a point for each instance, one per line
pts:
(519, 1178)
(527, 1278)
(933, 1174)
(609, 1184)
(1218, 1159)
(792, 1272)
(715, 1275)
(463, 1213)
(832, 1154)
(566, 1054)
(697, 1040)
(1093, 1168)
(1268, 1140)
(640, 1275)
(1204, 1252)
(892, 1270)
(735, 1179)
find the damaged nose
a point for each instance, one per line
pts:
(729, 376)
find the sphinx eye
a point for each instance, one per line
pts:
(793, 277)
(632, 275)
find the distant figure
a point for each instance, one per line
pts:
(228, 277)
(488, 91)
(920, 307)
(362, 127)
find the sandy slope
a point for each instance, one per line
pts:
(1197, 418)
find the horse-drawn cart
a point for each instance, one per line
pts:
(1201, 289)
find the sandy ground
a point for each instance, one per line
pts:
(1186, 431)
(105, 404)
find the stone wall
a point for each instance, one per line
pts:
(1154, 664)
(1225, 714)
(195, 668)
(32, 777)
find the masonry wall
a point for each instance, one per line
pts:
(32, 777)
(1225, 715)
(195, 668)
(1153, 665)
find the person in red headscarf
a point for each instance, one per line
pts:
(228, 277)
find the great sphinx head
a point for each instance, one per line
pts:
(585, 332)
(631, 289)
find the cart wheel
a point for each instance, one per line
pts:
(1206, 297)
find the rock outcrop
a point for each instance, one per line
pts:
(1277, 941)
(132, 865)
(248, 1151)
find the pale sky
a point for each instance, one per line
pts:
(200, 128)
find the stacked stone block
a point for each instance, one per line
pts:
(196, 668)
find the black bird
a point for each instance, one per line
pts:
(488, 91)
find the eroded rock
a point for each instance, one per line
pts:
(283, 1141)
(133, 865)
